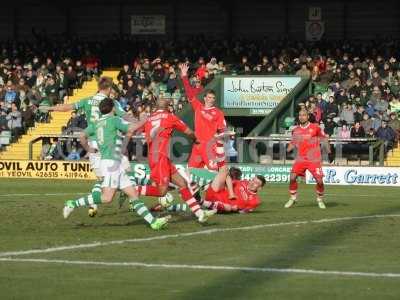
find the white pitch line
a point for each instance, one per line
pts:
(41, 194)
(202, 267)
(180, 235)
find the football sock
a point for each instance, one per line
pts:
(90, 199)
(178, 207)
(293, 188)
(319, 188)
(187, 196)
(142, 210)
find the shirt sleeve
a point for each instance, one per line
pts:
(121, 125)
(90, 130)
(178, 124)
(80, 104)
(191, 94)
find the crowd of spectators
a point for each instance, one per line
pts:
(355, 84)
(34, 76)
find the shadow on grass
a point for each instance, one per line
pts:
(236, 285)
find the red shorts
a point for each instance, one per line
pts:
(162, 170)
(204, 154)
(220, 196)
(299, 168)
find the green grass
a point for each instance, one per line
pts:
(358, 245)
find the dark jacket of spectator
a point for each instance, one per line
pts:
(357, 132)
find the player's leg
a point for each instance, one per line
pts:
(90, 200)
(318, 175)
(298, 169)
(292, 190)
(195, 159)
(142, 210)
(219, 181)
(188, 197)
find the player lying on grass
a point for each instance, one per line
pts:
(307, 137)
(217, 195)
(108, 132)
(158, 129)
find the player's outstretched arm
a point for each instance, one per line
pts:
(189, 132)
(134, 127)
(62, 107)
(189, 90)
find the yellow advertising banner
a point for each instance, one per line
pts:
(46, 169)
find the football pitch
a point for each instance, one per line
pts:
(351, 250)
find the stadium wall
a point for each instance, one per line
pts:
(99, 19)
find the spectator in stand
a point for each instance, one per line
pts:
(357, 131)
(347, 114)
(330, 126)
(3, 121)
(10, 95)
(381, 105)
(394, 123)
(28, 115)
(74, 122)
(212, 66)
(304, 71)
(358, 115)
(322, 104)
(344, 132)
(386, 134)
(332, 108)
(123, 74)
(14, 121)
(367, 122)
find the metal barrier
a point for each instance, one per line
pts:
(375, 147)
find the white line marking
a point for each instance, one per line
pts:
(202, 267)
(179, 235)
(40, 194)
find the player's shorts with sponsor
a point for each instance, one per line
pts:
(207, 155)
(161, 169)
(300, 167)
(114, 174)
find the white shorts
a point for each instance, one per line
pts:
(126, 165)
(94, 159)
(114, 175)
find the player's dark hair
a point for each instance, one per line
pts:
(106, 106)
(105, 83)
(262, 179)
(235, 173)
(212, 92)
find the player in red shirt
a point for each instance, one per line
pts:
(217, 195)
(247, 200)
(209, 123)
(307, 137)
(158, 131)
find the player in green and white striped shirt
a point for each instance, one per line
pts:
(90, 106)
(109, 133)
